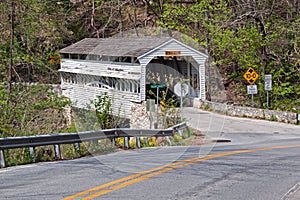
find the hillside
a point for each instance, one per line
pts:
(237, 34)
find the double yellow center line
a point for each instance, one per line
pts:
(129, 180)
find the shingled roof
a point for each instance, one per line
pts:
(121, 47)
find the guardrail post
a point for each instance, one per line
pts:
(146, 141)
(180, 132)
(2, 159)
(32, 153)
(188, 131)
(95, 142)
(138, 142)
(113, 141)
(126, 142)
(57, 151)
(168, 139)
(77, 147)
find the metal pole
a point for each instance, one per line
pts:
(2, 159)
(138, 142)
(57, 151)
(150, 113)
(113, 141)
(181, 102)
(252, 100)
(32, 154)
(77, 147)
(157, 93)
(267, 99)
(126, 142)
(151, 118)
(146, 141)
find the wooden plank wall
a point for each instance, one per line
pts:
(81, 96)
(122, 70)
(81, 89)
(198, 59)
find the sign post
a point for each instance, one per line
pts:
(181, 89)
(157, 86)
(150, 108)
(252, 89)
(251, 76)
(268, 86)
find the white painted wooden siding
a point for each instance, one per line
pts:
(143, 83)
(174, 45)
(202, 94)
(128, 74)
(81, 96)
(101, 69)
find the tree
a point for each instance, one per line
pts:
(243, 33)
(27, 113)
(35, 32)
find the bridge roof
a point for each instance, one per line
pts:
(120, 47)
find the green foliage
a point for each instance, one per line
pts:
(177, 139)
(103, 107)
(206, 107)
(169, 112)
(69, 151)
(263, 35)
(85, 119)
(273, 118)
(17, 156)
(183, 138)
(286, 88)
(38, 31)
(237, 37)
(32, 110)
(105, 116)
(99, 147)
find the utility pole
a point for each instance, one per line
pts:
(12, 30)
(207, 51)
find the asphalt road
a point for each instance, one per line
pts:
(255, 165)
(239, 130)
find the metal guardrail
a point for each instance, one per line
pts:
(76, 138)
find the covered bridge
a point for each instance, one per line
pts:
(125, 68)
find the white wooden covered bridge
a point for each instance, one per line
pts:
(121, 67)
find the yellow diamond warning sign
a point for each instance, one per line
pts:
(251, 75)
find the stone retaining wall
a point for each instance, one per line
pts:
(272, 115)
(139, 116)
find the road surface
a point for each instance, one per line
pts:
(257, 164)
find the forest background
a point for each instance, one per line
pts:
(237, 34)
